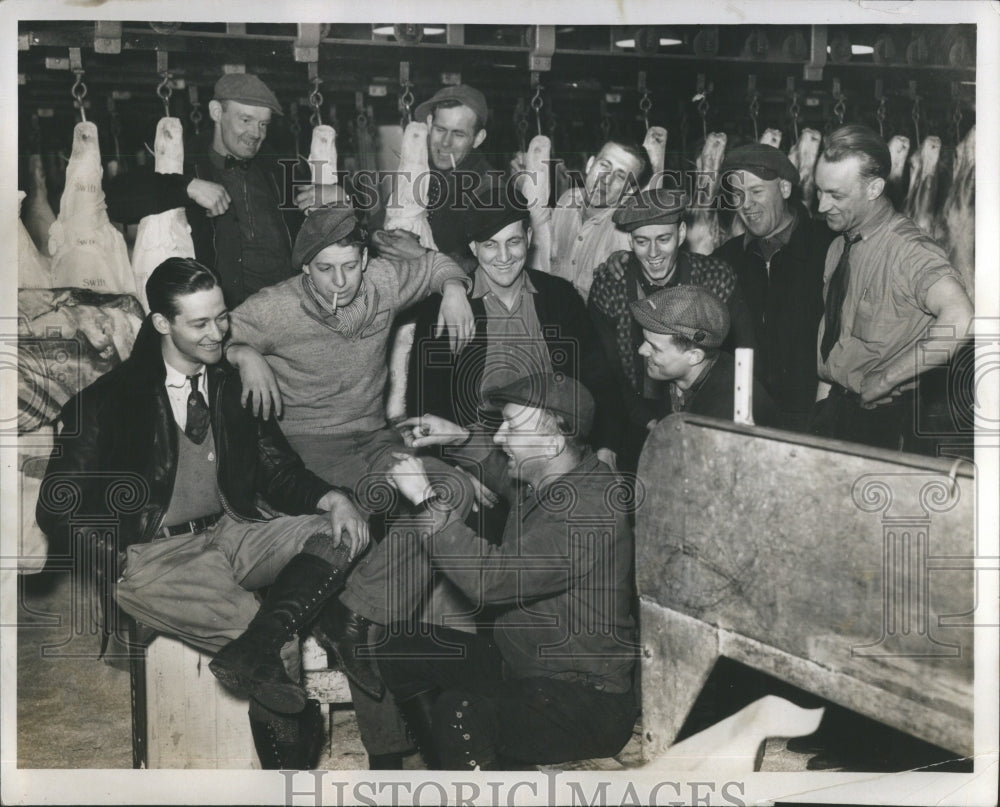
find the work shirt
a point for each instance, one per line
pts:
(579, 246)
(515, 346)
(885, 311)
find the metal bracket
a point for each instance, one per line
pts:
(107, 37)
(455, 34)
(306, 48)
(540, 56)
(75, 59)
(813, 69)
(162, 61)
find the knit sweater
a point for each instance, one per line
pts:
(331, 368)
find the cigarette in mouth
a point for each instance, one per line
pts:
(453, 166)
(335, 295)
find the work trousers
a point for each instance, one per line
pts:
(890, 425)
(483, 719)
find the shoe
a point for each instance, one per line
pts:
(288, 742)
(251, 664)
(343, 632)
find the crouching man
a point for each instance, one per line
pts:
(554, 682)
(169, 422)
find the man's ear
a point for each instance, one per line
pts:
(364, 259)
(477, 141)
(695, 356)
(785, 187)
(161, 323)
(875, 188)
(472, 248)
(682, 233)
(590, 162)
(215, 110)
(528, 232)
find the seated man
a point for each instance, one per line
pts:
(654, 221)
(555, 681)
(526, 322)
(190, 555)
(324, 335)
(682, 328)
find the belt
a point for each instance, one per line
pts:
(192, 527)
(855, 398)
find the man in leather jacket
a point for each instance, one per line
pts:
(179, 476)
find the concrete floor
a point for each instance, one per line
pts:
(73, 710)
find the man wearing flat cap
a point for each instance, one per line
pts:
(231, 192)
(526, 321)
(323, 337)
(456, 128)
(654, 221)
(779, 264)
(683, 328)
(554, 681)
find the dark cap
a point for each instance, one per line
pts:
(469, 96)
(323, 227)
(246, 89)
(691, 311)
(761, 160)
(657, 206)
(556, 392)
(487, 217)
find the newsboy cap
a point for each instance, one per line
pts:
(691, 311)
(486, 217)
(246, 88)
(761, 160)
(656, 206)
(323, 227)
(468, 96)
(556, 392)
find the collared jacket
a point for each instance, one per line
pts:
(438, 383)
(250, 245)
(785, 299)
(115, 459)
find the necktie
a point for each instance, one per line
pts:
(197, 413)
(835, 296)
(236, 162)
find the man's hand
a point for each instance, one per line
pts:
(311, 197)
(615, 264)
(651, 425)
(455, 313)
(431, 430)
(210, 195)
(608, 457)
(874, 388)
(484, 497)
(398, 245)
(345, 520)
(257, 379)
(409, 477)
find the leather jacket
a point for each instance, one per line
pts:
(111, 474)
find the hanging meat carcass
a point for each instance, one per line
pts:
(922, 196)
(167, 234)
(323, 155)
(655, 144)
(704, 232)
(771, 137)
(536, 191)
(899, 148)
(956, 224)
(803, 155)
(32, 266)
(87, 251)
(407, 202)
(38, 215)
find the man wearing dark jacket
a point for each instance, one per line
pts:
(165, 436)
(233, 195)
(779, 264)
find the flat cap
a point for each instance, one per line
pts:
(469, 96)
(323, 227)
(657, 206)
(246, 88)
(691, 311)
(556, 392)
(761, 160)
(486, 217)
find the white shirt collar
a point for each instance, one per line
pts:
(175, 378)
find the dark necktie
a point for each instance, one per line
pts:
(835, 296)
(197, 413)
(236, 162)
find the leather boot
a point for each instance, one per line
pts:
(416, 712)
(344, 633)
(251, 664)
(288, 742)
